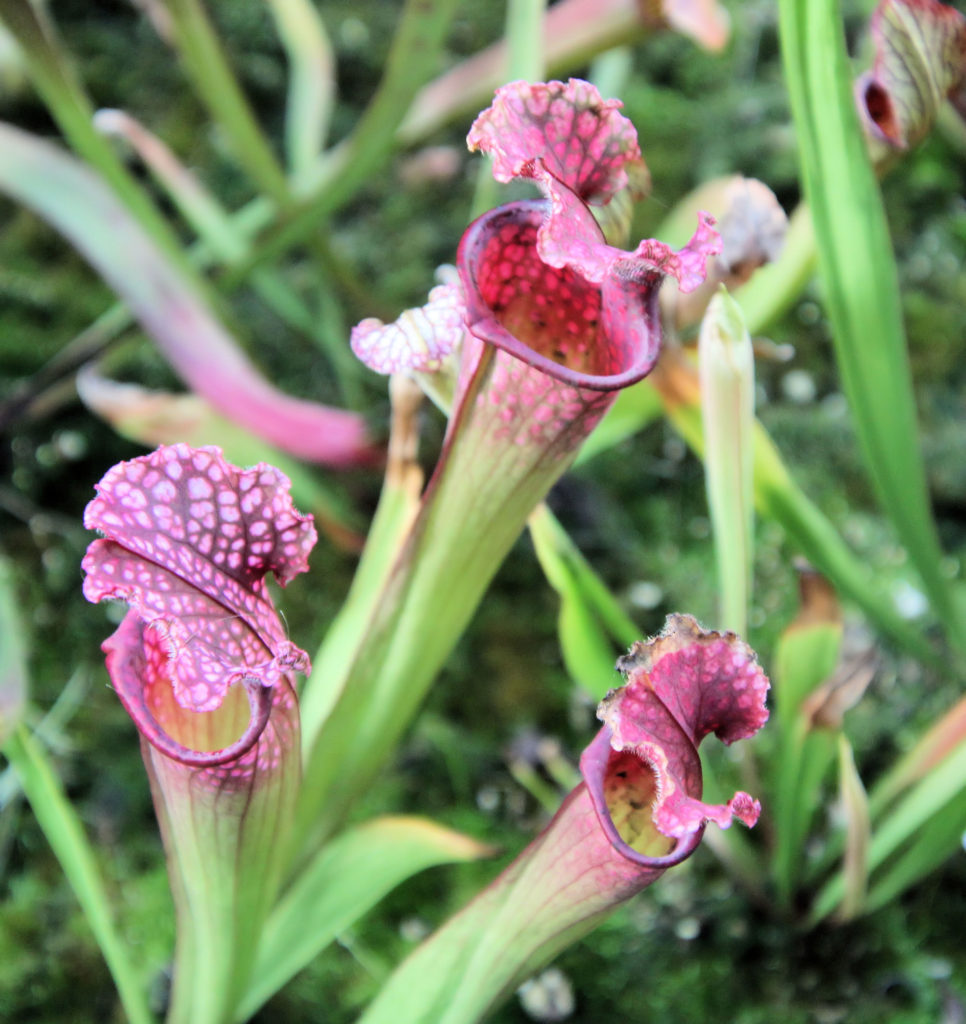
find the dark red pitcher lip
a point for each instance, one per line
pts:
(122, 649)
(593, 767)
(484, 325)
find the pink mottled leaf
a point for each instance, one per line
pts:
(188, 541)
(170, 305)
(542, 284)
(565, 130)
(545, 315)
(420, 339)
(539, 280)
(681, 686)
(600, 849)
(709, 682)
(146, 678)
(569, 237)
(154, 418)
(687, 265)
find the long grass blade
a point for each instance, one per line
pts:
(861, 283)
(208, 66)
(64, 832)
(943, 737)
(804, 658)
(727, 369)
(398, 507)
(335, 179)
(779, 498)
(930, 800)
(344, 880)
(78, 203)
(53, 77)
(13, 657)
(573, 32)
(311, 83)
(217, 230)
(855, 804)
(933, 844)
(590, 618)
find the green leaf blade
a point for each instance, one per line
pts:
(344, 880)
(861, 283)
(67, 839)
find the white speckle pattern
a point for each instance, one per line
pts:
(420, 339)
(565, 127)
(167, 519)
(681, 685)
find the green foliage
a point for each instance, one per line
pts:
(861, 284)
(65, 834)
(591, 621)
(344, 880)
